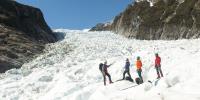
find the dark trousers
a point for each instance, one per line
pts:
(128, 72)
(159, 71)
(104, 77)
(139, 71)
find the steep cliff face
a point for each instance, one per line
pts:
(159, 19)
(23, 34)
(26, 19)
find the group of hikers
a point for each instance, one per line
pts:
(103, 68)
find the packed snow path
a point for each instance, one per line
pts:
(68, 70)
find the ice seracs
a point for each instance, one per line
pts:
(68, 70)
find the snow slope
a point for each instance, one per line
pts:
(68, 70)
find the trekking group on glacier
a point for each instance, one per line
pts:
(103, 68)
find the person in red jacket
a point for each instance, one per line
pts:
(158, 66)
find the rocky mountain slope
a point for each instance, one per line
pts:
(159, 19)
(23, 33)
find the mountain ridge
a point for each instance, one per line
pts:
(23, 34)
(165, 19)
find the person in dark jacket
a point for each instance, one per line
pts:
(158, 66)
(105, 72)
(127, 69)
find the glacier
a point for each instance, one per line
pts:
(68, 69)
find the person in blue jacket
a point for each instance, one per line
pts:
(127, 69)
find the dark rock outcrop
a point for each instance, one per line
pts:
(101, 27)
(23, 34)
(166, 19)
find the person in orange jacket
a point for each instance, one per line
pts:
(139, 68)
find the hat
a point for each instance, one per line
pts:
(138, 57)
(156, 54)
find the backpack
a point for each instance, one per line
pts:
(129, 79)
(137, 80)
(100, 66)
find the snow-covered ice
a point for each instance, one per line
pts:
(68, 70)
